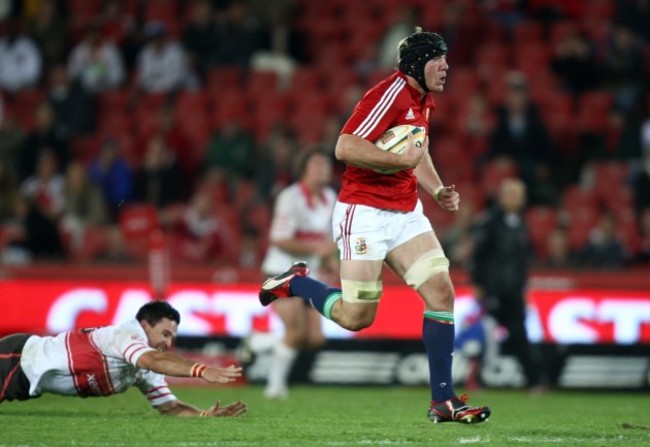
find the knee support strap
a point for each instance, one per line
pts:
(361, 291)
(429, 264)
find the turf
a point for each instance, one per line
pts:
(331, 416)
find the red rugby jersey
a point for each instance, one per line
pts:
(390, 103)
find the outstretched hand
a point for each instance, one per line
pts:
(231, 410)
(222, 375)
(448, 198)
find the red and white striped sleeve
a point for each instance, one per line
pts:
(130, 342)
(377, 111)
(155, 388)
(132, 351)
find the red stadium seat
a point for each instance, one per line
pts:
(532, 59)
(329, 55)
(196, 126)
(114, 122)
(161, 10)
(84, 9)
(541, 221)
(191, 101)
(224, 78)
(557, 113)
(261, 82)
(114, 100)
(245, 195)
(492, 54)
(136, 223)
(598, 31)
(575, 196)
(542, 85)
(592, 111)
(471, 193)
(611, 181)
(93, 244)
(310, 130)
(24, 105)
(599, 10)
(305, 104)
(258, 216)
(494, 173)
(560, 30)
(582, 220)
(451, 157)
(306, 78)
(84, 149)
(463, 79)
(527, 32)
(229, 105)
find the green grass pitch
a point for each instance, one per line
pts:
(331, 416)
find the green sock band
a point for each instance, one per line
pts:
(441, 317)
(328, 305)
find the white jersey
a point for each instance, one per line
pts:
(298, 216)
(92, 362)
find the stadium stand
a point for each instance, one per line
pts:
(340, 41)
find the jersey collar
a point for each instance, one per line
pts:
(308, 196)
(425, 100)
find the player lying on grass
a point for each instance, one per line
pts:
(108, 360)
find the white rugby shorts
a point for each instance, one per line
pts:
(366, 233)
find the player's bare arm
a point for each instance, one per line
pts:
(178, 408)
(171, 364)
(359, 152)
(428, 178)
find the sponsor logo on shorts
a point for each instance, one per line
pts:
(360, 246)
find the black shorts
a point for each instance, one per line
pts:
(13, 382)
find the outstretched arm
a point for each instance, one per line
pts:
(170, 364)
(178, 408)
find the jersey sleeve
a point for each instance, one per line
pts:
(285, 218)
(377, 111)
(129, 345)
(155, 388)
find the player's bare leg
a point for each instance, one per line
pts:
(292, 312)
(420, 261)
(354, 312)
(353, 308)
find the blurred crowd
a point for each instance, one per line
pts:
(121, 116)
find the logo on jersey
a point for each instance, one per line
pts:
(360, 246)
(410, 115)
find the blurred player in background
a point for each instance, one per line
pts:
(301, 230)
(108, 360)
(378, 218)
(499, 272)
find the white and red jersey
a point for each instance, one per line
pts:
(298, 215)
(390, 103)
(92, 362)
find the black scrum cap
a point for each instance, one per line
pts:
(416, 50)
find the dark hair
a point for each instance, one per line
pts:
(304, 157)
(155, 311)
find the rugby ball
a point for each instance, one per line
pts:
(395, 139)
